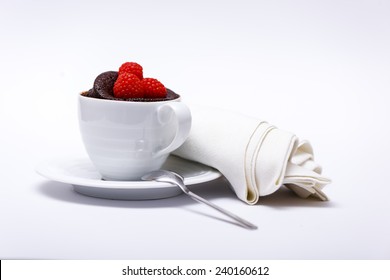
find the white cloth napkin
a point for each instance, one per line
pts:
(255, 157)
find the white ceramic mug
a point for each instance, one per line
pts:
(126, 139)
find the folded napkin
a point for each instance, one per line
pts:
(255, 157)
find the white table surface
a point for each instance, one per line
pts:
(318, 68)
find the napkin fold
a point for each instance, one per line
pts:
(255, 157)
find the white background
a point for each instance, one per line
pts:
(318, 68)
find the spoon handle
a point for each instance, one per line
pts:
(223, 211)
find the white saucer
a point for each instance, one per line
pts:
(86, 180)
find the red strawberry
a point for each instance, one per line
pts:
(128, 86)
(133, 68)
(153, 88)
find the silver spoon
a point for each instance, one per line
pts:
(176, 179)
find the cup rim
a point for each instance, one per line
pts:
(126, 101)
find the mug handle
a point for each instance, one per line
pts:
(183, 117)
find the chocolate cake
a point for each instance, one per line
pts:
(104, 84)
